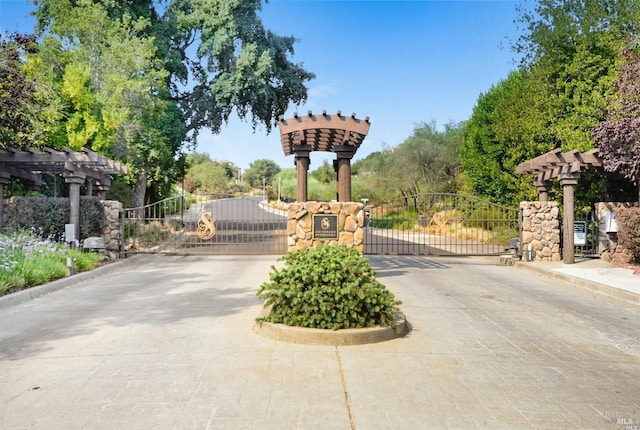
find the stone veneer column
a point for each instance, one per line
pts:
(608, 247)
(350, 224)
(112, 230)
(540, 231)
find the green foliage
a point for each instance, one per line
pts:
(398, 219)
(504, 130)
(207, 177)
(427, 161)
(261, 172)
(325, 174)
(28, 260)
(628, 220)
(48, 215)
(330, 287)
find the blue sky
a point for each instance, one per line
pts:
(401, 63)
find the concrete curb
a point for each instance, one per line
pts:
(579, 283)
(40, 290)
(344, 337)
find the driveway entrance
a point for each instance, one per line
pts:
(206, 224)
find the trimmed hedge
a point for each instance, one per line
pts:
(330, 287)
(48, 215)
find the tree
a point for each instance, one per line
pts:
(112, 93)
(571, 48)
(506, 128)
(207, 177)
(261, 172)
(324, 174)
(426, 162)
(23, 99)
(618, 137)
(238, 66)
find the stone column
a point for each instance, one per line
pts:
(344, 154)
(74, 179)
(302, 166)
(568, 181)
(4, 180)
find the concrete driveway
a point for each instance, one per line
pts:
(167, 343)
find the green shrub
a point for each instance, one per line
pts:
(48, 215)
(27, 260)
(330, 287)
(628, 220)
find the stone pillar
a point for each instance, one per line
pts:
(568, 181)
(300, 228)
(540, 235)
(4, 180)
(344, 154)
(302, 167)
(74, 180)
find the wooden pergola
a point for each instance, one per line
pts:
(566, 167)
(332, 133)
(76, 168)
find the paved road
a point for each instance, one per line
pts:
(167, 344)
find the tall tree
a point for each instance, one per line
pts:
(218, 58)
(572, 47)
(427, 161)
(25, 102)
(506, 127)
(618, 137)
(261, 172)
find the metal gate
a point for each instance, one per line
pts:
(206, 224)
(440, 224)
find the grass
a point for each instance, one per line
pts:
(27, 260)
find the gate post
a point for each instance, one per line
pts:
(344, 154)
(74, 180)
(568, 181)
(312, 223)
(302, 167)
(540, 231)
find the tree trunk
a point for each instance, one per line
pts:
(139, 191)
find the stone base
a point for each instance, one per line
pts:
(300, 227)
(315, 336)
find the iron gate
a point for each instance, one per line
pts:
(440, 224)
(206, 224)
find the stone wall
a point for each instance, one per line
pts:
(112, 230)
(350, 224)
(608, 246)
(540, 231)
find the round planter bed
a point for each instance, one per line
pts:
(316, 336)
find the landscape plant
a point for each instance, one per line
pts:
(628, 220)
(28, 260)
(329, 287)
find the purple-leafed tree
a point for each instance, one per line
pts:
(618, 137)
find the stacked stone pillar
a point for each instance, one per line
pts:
(350, 224)
(540, 231)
